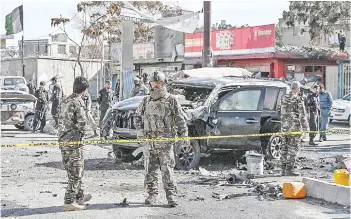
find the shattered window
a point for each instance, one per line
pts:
(271, 97)
(241, 100)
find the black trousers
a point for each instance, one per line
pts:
(39, 115)
(314, 117)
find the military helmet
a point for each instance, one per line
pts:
(157, 76)
(42, 83)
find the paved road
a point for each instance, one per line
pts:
(33, 182)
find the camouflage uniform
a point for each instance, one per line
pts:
(105, 101)
(40, 111)
(160, 116)
(72, 126)
(293, 118)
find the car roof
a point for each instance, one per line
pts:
(208, 82)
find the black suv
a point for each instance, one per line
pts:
(214, 106)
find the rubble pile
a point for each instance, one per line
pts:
(266, 191)
(308, 49)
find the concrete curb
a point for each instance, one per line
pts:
(330, 192)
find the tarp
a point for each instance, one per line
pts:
(186, 23)
(211, 72)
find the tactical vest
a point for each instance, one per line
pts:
(158, 118)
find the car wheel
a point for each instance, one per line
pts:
(28, 123)
(273, 150)
(20, 126)
(188, 157)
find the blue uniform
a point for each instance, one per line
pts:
(326, 102)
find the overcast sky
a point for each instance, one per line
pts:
(37, 14)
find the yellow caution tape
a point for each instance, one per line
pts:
(54, 143)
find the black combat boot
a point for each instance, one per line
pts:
(312, 143)
(283, 169)
(151, 199)
(290, 171)
(171, 201)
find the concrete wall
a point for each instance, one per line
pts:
(43, 69)
(13, 67)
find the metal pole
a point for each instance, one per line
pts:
(101, 63)
(23, 73)
(206, 54)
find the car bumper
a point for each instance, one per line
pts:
(339, 116)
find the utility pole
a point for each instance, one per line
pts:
(207, 53)
(23, 73)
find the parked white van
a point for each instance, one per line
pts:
(13, 83)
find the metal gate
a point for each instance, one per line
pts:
(344, 79)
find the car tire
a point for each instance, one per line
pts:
(20, 126)
(273, 148)
(28, 123)
(187, 158)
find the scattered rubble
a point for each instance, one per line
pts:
(197, 199)
(228, 196)
(309, 49)
(124, 203)
(45, 192)
(267, 191)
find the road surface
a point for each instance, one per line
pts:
(33, 184)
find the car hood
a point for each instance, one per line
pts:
(134, 102)
(341, 104)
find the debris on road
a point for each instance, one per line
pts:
(55, 195)
(228, 196)
(124, 203)
(45, 192)
(205, 172)
(39, 153)
(266, 191)
(197, 199)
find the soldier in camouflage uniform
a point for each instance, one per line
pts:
(40, 110)
(72, 126)
(139, 88)
(87, 101)
(160, 116)
(105, 99)
(56, 99)
(293, 119)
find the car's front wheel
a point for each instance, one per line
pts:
(188, 156)
(273, 148)
(28, 123)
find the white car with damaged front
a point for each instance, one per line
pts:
(341, 109)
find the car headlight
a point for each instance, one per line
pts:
(13, 106)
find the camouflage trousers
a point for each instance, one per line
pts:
(73, 162)
(290, 148)
(161, 157)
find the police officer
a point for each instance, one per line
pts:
(314, 111)
(160, 116)
(105, 99)
(31, 87)
(56, 99)
(40, 108)
(326, 102)
(293, 119)
(139, 88)
(87, 102)
(72, 127)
